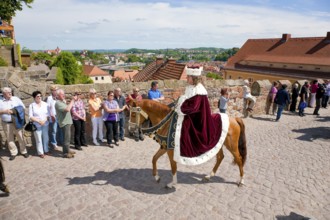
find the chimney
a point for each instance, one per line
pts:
(285, 37)
(171, 60)
(159, 61)
(328, 36)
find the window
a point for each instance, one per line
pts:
(96, 78)
(284, 66)
(239, 77)
(270, 64)
(300, 67)
(317, 68)
(229, 77)
(102, 78)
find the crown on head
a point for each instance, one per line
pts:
(194, 71)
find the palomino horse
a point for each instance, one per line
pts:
(235, 140)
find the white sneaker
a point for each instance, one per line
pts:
(55, 147)
(96, 143)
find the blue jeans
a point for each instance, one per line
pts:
(54, 128)
(279, 111)
(121, 127)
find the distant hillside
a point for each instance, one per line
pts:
(161, 51)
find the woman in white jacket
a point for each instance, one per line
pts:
(39, 114)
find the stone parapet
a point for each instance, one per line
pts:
(172, 89)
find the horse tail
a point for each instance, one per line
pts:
(242, 140)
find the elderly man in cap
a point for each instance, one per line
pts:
(53, 125)
(6, 105)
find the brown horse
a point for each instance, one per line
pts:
(235, 140)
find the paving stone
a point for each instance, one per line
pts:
(286, 174)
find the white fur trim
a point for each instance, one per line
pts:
(207, 155)
(191, 91)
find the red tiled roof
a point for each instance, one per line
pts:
(160, 70)
(308, 50)
(125, 74)
(93, 71)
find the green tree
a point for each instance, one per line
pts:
(26, 50)
(213, 75)
(8, 8)
(131, 58)
(59, 77)
(225, 55)
(42, 57)
(72, 72)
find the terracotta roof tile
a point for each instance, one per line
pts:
(93, 71)
(125, 74)
(308, 50)
(160, 70)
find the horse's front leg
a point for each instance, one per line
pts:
(170, 154)
(220, 157)
(159, 153)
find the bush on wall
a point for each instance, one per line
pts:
(5, 41)
(3, 62)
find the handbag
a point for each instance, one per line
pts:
(30, 127)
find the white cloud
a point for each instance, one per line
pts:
(76, 24)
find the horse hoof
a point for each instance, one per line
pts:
(169, 187)
(157, 178)
(240, 184)
(206, 179)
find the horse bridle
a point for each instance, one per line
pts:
(154, 129)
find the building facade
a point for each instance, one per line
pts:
(281, 58)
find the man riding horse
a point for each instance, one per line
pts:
(190, 134)
(197, 130)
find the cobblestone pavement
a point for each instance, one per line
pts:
(286, 175)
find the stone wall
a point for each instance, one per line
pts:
(172, 89)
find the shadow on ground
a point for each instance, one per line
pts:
(292, 216)
(310, 134)
(323, 119)
(141, 180)
(262, 118)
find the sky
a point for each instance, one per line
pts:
(151, 24)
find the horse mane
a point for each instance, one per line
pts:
(153, 105)
(154, 109)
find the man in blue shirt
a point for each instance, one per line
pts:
(154, 93)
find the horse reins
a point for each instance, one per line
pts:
(155, 128)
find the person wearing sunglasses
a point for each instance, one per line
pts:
(39, 114)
